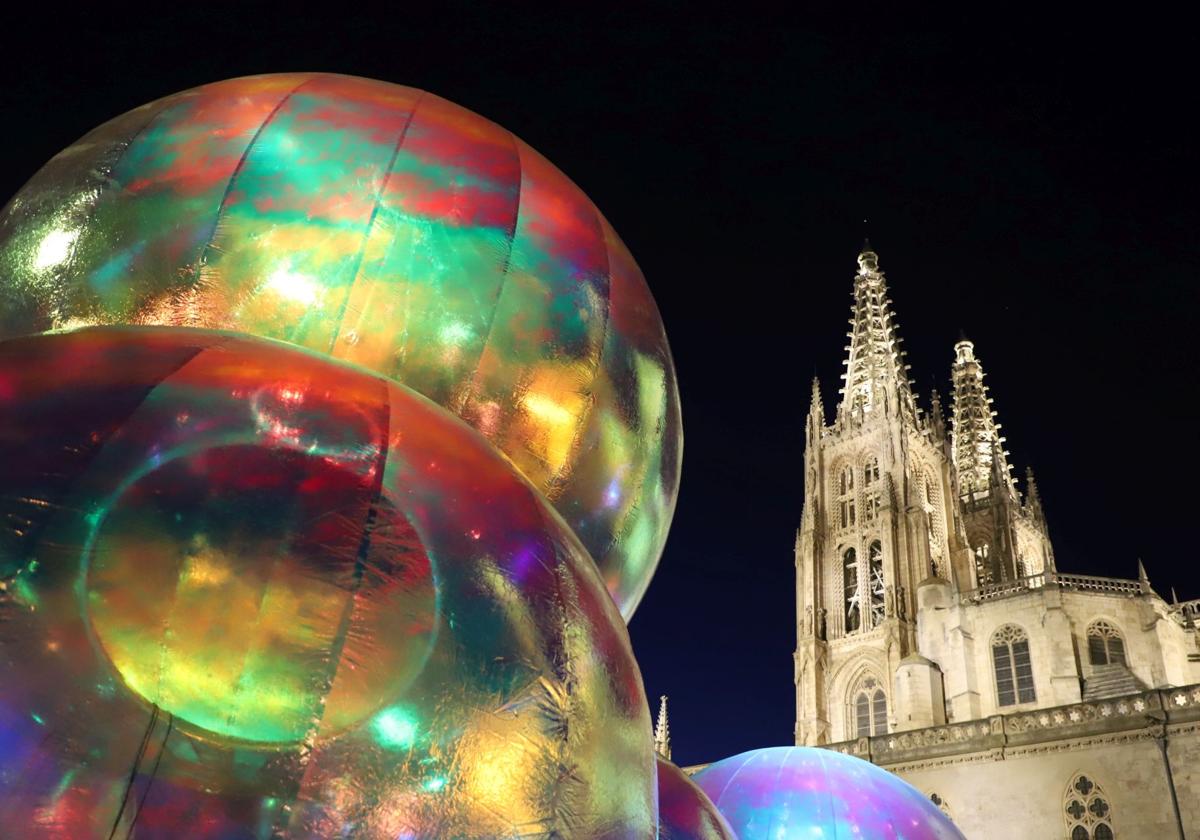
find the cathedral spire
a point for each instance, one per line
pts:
(876, 377)
(662, 731)
(1033, 498)
(937, 421)
(816, 408)
(979, 455)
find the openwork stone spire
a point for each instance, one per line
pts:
(662, 731)
(937, 422)
(979, 455)
(876, 377)
(816, 408)
(1033, 498)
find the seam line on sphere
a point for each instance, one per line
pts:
(505, 273)
(162, 748)
(137, 760)
(241, 164)
(362, 249)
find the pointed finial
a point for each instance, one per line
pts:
(1033, 499)
(937, 420)
(816, 408)
(662, 731)
(1174, 597)
(868, 260)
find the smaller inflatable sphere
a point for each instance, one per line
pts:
(798, 793)
(383, 226)
(253, 592)
(684, 811)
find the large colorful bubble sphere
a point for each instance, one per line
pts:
(684, 811)
(247, 591)
(386, 227)
(797, 793)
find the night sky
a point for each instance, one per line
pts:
(1036, 194)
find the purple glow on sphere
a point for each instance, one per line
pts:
(789, 793)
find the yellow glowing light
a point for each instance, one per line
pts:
(75, 324)
(555, 406)
(55, 248)
(547, 410)
(498, 774)
(294, 286)
(205, 567)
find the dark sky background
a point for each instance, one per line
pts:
(1037, 193)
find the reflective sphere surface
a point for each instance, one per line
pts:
(387, 227)
(797, 793)
(255, 592)
(684, 811)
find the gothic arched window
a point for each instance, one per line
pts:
(875, 572)
(870, 489)
(1087, 810)
(1013, 668)
(846, 482)
(871, 471)
(862, 715)
(870, 709)
(853, 615)
(1105, 645)
(846, 497)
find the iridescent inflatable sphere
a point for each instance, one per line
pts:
(798, 793)
(684, 811)
(248, 591)
(386, 227)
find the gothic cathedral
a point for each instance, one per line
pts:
(936, 635)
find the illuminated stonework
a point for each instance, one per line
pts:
(932, 620)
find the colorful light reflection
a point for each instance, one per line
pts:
(684, 811)
(352, 619)
(386, 227)
(798, 793)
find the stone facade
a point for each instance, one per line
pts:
(936, 636)
(1011, 775)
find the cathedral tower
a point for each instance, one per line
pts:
(928, 602)
(1009, 540)
(879, 518)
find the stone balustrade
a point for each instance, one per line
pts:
(1153, 708)
(1092, 583)
(1082, 583)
